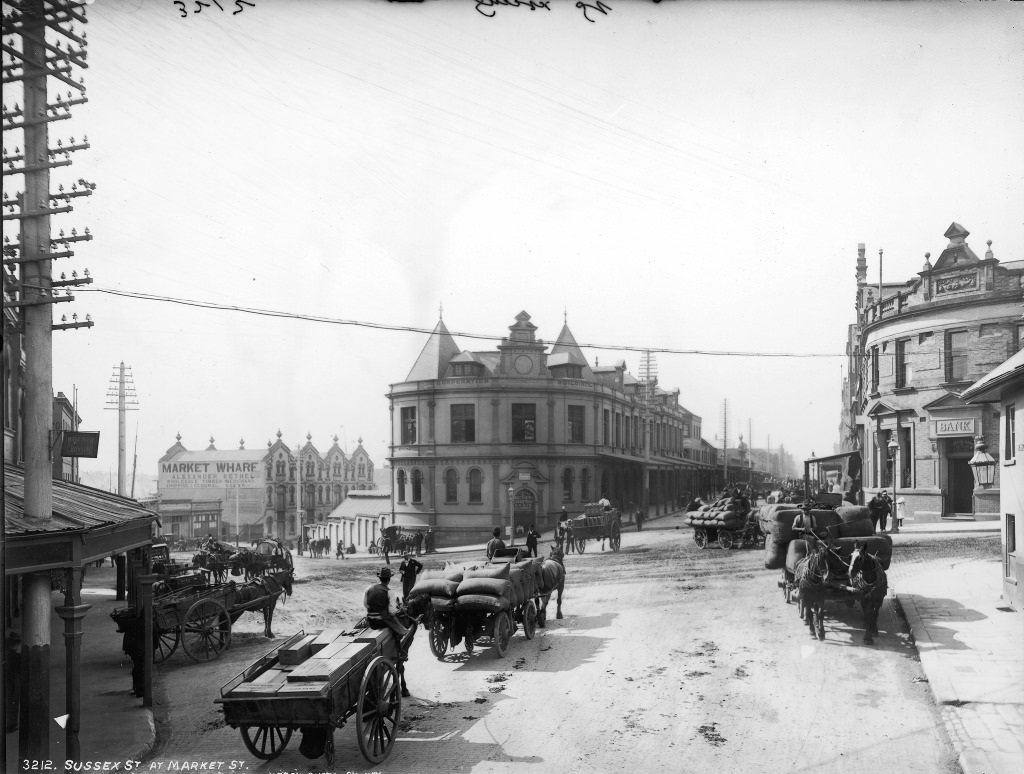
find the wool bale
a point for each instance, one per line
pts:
(435, 587)
(780, 524)
(482, 603)
(499, 570)
(880, 545)
(774, 552)
(858, 528)
(848, 512)
(821, 521)
(795, 551)
(496, 587)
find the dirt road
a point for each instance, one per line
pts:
(668, 658)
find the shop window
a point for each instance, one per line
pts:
(524, 422)
(463, 423)
(475, 486)
(409, 424)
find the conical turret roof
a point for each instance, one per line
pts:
(437, 352)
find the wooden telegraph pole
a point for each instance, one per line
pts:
(40, 42)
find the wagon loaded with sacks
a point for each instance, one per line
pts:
(597, 522)
(799, 537)
(490, 600)
(728, 521)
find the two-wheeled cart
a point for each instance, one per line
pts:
(293, 687)
(597, 522)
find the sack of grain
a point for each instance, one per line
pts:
(495, 587)
(435, 587)
(442, 603)
(484, 603)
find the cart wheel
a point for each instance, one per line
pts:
(615, 538)
(725, 539)
(378, 710)
(700, 537)
(329, 748)
(166, 643)
(529, 619)
(502, 633)
(439, 636)
(581, 545)
(266, 742)
(206, 632)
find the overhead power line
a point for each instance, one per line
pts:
(414, 329)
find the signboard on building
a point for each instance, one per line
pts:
(211, 474)
(945, 427)
(956, 283)
(80, 443)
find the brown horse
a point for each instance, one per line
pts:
(812, 573)
(552, 580)
(869, 580)
(270, 588)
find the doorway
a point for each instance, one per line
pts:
(961, 486)
(524, 505)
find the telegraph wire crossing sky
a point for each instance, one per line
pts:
(687, 178)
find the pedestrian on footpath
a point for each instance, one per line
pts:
(878, 508)
(531, 541)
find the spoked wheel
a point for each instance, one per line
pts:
(502, 633)
(615, 537)
(206, 632)
(166, 643)
(439, 636)
(581, 545)
(379, 710)
(725, 539)
(266, 742)
(329, 748)
(530, 620)
(700, 537)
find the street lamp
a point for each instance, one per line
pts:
(511, 517)
(894, 455)
(983, 465)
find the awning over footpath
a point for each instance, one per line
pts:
(87, 525)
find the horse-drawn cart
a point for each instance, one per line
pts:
(199, 618)
(597, 522)
(728, 522)
(316, 683)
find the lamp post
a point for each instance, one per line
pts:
(511, 517)
(983, 464)
(893, 448)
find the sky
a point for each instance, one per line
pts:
(677, 176)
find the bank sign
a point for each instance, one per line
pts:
(954, 427)
(221, 474)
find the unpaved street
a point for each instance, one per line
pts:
(668, 658)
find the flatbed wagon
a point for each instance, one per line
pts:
(597, 522)
(316, 683)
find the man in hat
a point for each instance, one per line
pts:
(377, 601)
(879, 508)
(407, 571)
(495, 543)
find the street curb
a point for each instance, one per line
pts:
(145, 748)
(941, 687)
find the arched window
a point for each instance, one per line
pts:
(280, 467)
(270, 495)
(309, 469)
(567, 481)
(417, 486)
(451, 486)
(475, 486)
(361, 469)
(401, 486)
(291, 495)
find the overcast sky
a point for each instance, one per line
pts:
(679, 175)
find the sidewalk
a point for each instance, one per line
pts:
(970, 645)
(114, 724)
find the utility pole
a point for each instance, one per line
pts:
(122, 396)
(40, 42)
(725, 442)
(649, 379)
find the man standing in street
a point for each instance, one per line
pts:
(407, 571)
(531, 541)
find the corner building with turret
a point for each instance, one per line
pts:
(487, 439)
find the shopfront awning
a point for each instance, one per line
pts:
(87, 524)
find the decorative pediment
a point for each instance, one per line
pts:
(879, 408)
(524, 471)
(947, 402)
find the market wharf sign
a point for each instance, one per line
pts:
(954, 427)
(956, 283)
(224, 474)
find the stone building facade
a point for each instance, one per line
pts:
(914, 347)
(485, 438)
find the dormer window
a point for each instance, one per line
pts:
(464, 369)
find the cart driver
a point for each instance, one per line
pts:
(378, 611)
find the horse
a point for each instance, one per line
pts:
(869, 579)
(811, 573)
(553, 579)
(215, 558)
(270, 586)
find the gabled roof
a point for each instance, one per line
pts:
(879, 406)
(433, 360)
(989, 388)
(948, 401)
(958, 252)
